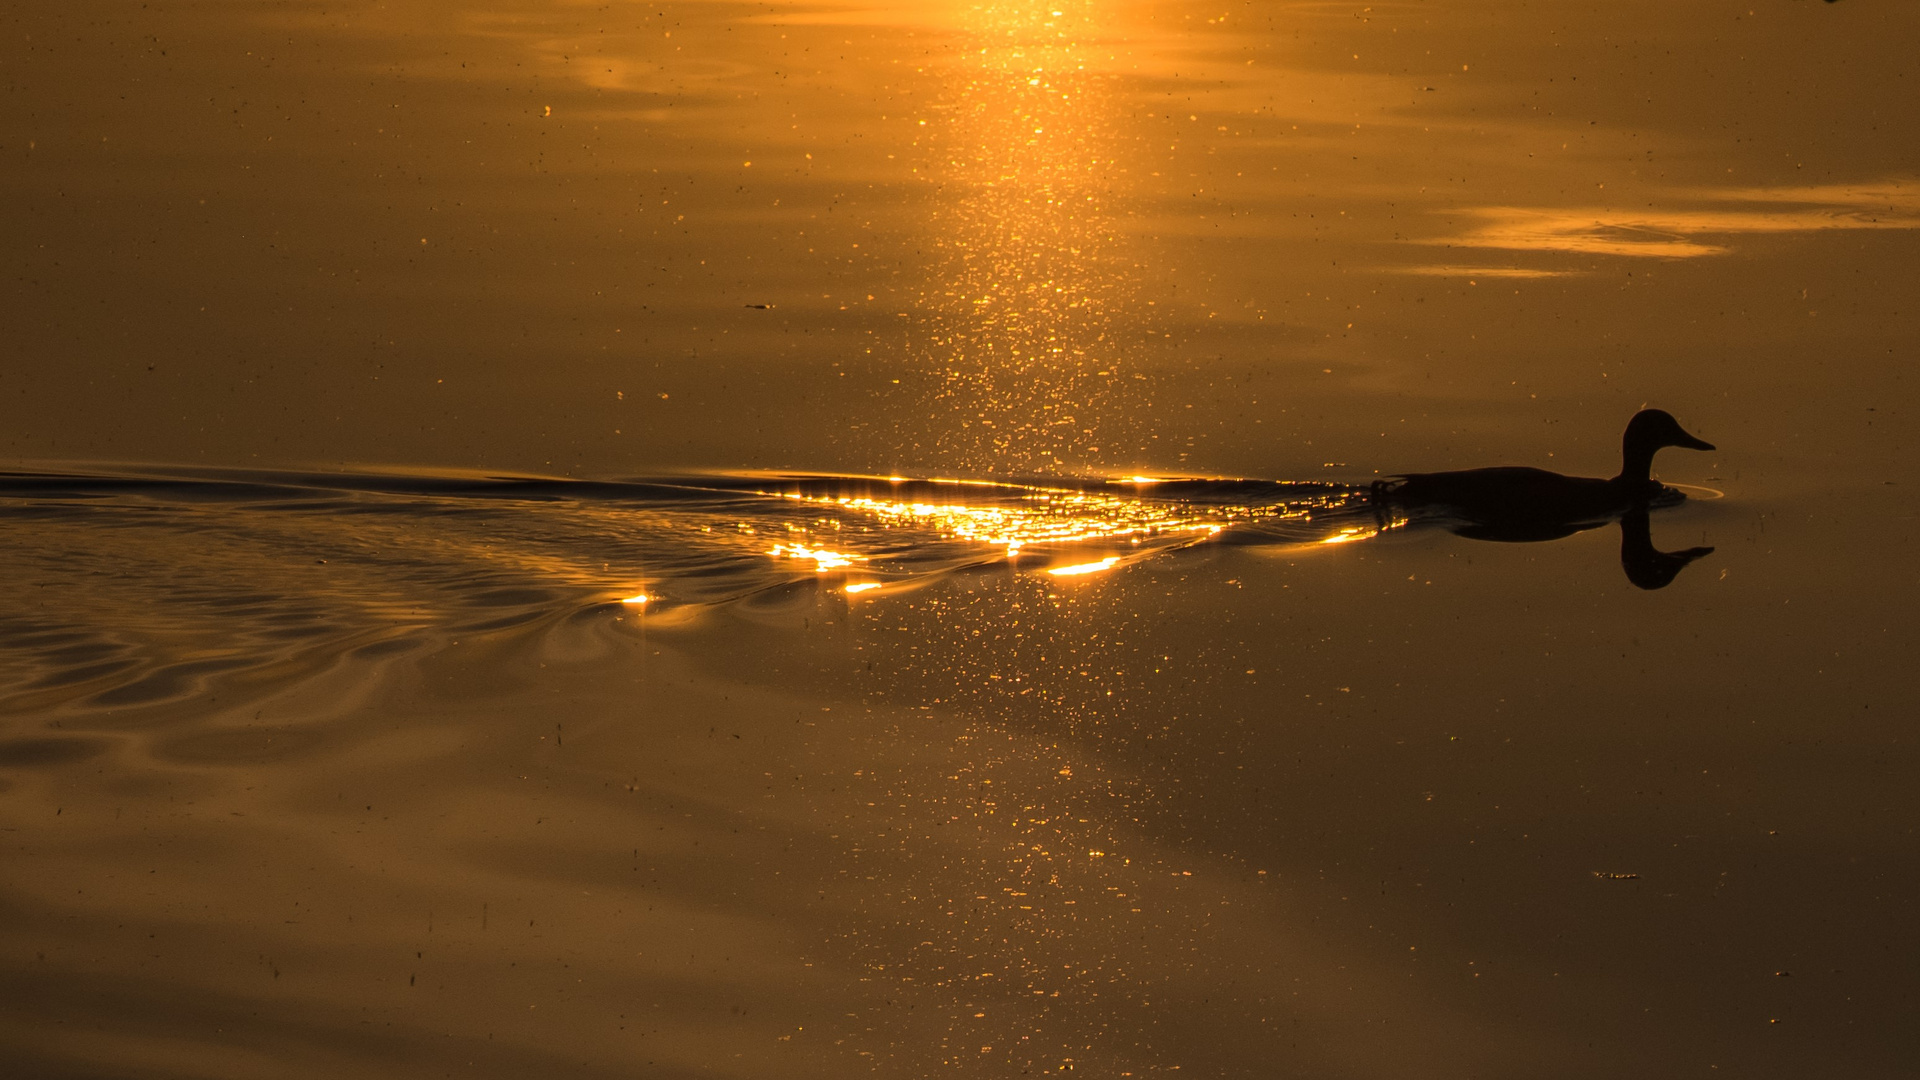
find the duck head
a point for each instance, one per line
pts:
(1649, 431)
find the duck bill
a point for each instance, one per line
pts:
(1692, 443)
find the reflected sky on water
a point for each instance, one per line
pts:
(986, 238)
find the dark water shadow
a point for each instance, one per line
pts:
(161, 1033)
(39, 753)
(1644, 565)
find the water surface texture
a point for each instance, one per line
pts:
(797, 539)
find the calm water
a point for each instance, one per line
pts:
(787, 539)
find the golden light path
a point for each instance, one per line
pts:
(1085, 568)
(866, 535)
(1351, 533)
(823, 559)
(1052, 517)
(1030, 287)
(877, 534)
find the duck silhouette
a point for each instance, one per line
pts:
(1521, 504)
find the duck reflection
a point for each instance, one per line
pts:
(1517, 504)
(1645, 566)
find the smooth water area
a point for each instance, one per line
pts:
(797, 539)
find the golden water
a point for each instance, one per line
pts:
(703, 539)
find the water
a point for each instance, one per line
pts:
(216, 572)
(792, 540)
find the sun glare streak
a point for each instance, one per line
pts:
(636, 600)
(823, 559)
(1351, 533)
(1055, 518)
(939, 526)
(1084, 568)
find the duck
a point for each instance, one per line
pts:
(1519, 503)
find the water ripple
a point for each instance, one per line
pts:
(141, 588)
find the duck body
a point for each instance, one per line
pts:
(1526, 500)
(1519, 503)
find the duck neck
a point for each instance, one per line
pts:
(1636, 464)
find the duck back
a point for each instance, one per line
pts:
(1519, 495)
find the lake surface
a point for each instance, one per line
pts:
(804, 540)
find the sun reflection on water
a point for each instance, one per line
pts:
(823, 559)
(1085, 568)
(895, 529)
(1055, 517)
(1350, 533)
(1025, 352)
